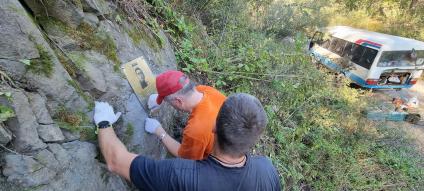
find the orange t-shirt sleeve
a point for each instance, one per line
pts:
(192, 148)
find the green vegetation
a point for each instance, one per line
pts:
(71, 69)
(97, 40)
(76, 122)
(140, 34)
(398, 17)
(129, 132)
(6, 113)
(85, 96)
(316, 137)
(79, 59)
(87, 37)
(42, 65)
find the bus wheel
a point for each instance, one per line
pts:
(413, 118)
(354, 86)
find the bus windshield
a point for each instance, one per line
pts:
(401, 58)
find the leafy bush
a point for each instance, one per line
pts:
(317, 137)
(397, 17)
(288, 18)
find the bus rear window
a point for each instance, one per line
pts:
(401, 58)
(357, 51)
(368, 58)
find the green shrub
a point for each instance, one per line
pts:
(316, 137)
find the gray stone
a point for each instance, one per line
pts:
(91, 19)
(134, 116)
(81, 151)
(158, 60)
(100, 7)
(50, 133)
(70, 136)
(72, 165)
(56, 87)
(24, 125)
(38, 106)
(59, 36)
(25, 171)
(94, 71)
(20, 164)
(60, 155)
(82, 164)
(48, 160)
(140, 142)
(14, 42)
(67, 11)
(5, 135)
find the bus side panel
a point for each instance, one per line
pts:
(417, 73)
(326, 57)
(358, 76)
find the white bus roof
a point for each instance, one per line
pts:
(377, 40)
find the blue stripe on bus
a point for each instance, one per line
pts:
(370, 45)
(358, 80)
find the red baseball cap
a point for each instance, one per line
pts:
(167, 83)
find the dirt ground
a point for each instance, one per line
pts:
(415, 132)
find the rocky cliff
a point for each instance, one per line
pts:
(56, 58)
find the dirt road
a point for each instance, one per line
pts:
(415, 132)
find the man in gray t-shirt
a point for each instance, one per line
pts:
(239, 124)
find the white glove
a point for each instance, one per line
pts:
(104, 112)
(150, 125)
(151, 103)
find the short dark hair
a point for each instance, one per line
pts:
(240, 122)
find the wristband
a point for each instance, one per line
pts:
(102, 125)
(162, 136)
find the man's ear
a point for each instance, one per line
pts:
(176, 102)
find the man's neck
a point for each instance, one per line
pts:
(229, 161)
(195, 98)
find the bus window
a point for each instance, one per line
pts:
(340, 47)
(334, 42)
(326, 41)
(357, 52)
(348, 50)
(400, 58)
(368, 58)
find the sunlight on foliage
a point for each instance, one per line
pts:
(317, 136)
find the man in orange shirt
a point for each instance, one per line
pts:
(203, 103)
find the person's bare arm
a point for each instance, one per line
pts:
(170, 143)
(117, 157)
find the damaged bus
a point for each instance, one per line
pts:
(370, 59)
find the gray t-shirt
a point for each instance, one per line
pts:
(181, 174)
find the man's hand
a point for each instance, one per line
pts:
(150, 125)
(151, 103)
(104, 112)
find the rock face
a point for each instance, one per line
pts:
(24, 125)
(59, 56)
(5, 135)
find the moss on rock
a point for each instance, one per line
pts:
(42, 65)
(86, 97)
(79, 59)
(138, 35)
(88, 38)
